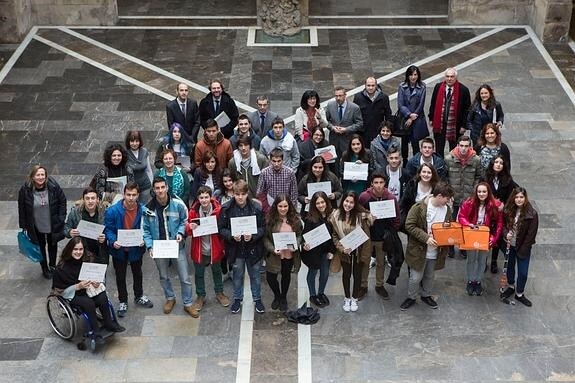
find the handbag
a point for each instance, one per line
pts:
(29, 248)
(399, 127)
(475, 239)
(335, 264)
(447, 233)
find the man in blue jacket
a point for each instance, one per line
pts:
(126, 214)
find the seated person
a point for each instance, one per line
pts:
(87, 295)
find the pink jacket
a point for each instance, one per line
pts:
(493, 217)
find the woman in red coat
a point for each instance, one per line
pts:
(480, 209)
(206, 249)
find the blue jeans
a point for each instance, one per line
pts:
(476, 260)
(522, 269)
(239, 268)
(323, 276)
(184, 276)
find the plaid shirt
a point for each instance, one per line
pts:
(271, 183)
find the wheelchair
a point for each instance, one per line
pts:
(64, 317)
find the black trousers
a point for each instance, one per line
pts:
(120, 267)
(354, 268)
(45, 240)
(440, 143)
(89, 305)
(272, 278)
(405, 140)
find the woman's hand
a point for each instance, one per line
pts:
(413, 116)
(102, 238)
(82, 285)
(74, 233)
(306, 247)
(347, 250)
(431, 241)
(307, 199)
(408, 122)
(331, 196)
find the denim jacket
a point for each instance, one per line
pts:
(175, 215)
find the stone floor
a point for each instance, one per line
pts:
(73, 91)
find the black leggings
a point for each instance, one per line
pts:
(88, 305)
(120, 267)
(272, 278)
(43, 241)
(354, 268)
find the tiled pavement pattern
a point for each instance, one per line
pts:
(59, 111)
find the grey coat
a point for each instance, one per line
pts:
(352, 120)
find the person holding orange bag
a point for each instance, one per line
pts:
(480, 209)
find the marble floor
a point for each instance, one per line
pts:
(73, 90)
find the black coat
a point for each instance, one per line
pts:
(191, 122)
(373, 113)
(312, 258)
(462, 108)
(227, 105)
(57, 201)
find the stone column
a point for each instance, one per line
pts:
(551, 19)
(489, 11)
(282, 17)
(15, 20)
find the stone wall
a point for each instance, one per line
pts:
(15, 20)
(551, 19)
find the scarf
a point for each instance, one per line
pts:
(439, 110)
(177, 181)
(253, 161)
(463, 159)
(311, 122)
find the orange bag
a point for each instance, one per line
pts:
(475, 239)
(447, 233)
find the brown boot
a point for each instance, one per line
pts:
(199, 303)
(192, 311)
(223, 299)
(169, 306)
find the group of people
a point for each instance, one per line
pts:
(254, 173)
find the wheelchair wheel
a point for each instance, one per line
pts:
(62, 318)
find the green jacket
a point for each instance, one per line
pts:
(416, 227)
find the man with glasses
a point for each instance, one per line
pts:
(262, 118)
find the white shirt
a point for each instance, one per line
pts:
(394, 186)
(434, 214)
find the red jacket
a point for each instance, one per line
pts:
(493, 218)
(217, 245)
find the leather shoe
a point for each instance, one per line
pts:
(199, 303)
(362, 293)
(382, 292)
(191, 310)
(169, 306)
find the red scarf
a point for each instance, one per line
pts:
(463, 159)
(311, 122)
(438, 108)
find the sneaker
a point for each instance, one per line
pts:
(236, 306)
(463, 254)
(143, 301)
(430, 302)
(199, 303)
(260, 308)
(353, 305)
(372, 263)
(169, 306)
(276, 303)
(315, 299)
(478, 289)
(346, 305)
(470, 288)
(523, 299)
(324, 299)
(192, 311)
(223, 299)
(507, 293)
(407, 303)
(362, 293)
(382, 292)
(122, 309)
(283, 304)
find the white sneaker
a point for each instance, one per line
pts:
(372, 263)
(347, 305)
(353, 306)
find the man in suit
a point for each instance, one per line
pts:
(184, 111)
(343, 120)
(262, 118)
(450, 103)
(216, 102)
(375, 109)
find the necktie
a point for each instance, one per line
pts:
(183, 107)
(446, 106)
(217, 106)
(340, 113)
(449, 93)
(262, 121)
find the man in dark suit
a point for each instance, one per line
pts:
(450, 103)
(216, 102)
(343, 120)
(262, 115)
(375, 109)
(184, 111)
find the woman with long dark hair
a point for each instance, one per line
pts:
(176, 179)
(520, 231)
(114, 174)
(42, 214)
(309, 115)
(489, 145)
(318, 172)
(208, 174)
(225, 190)
(179, 142)
(419, 187)
(485, 109)
(356, 152)
(139, 161)
(307, 151)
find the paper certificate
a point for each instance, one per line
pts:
(285, 241)
(244, 225)
(116, 186)
(317, 236)
(165, 248)
(314, 187)
(95, 272)
(354, 239)
(382, 209)
(353, 171)
(130, 238)
(328, 153)
(206, 225)
(184, 161)
(222, 119)
(89, 229)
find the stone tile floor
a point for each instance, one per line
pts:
(60, 111)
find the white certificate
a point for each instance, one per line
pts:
(354, 239)
(116, 186)
(130, 238)
(317, 236)
(353, 171)
(285, 241)
(328, 153)
(314, 187)
(206, 225)
(168, 248)
(382, 209)
(95, 272)
(244, 225)
(89, 229)
(184, 161)
(222, 119)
